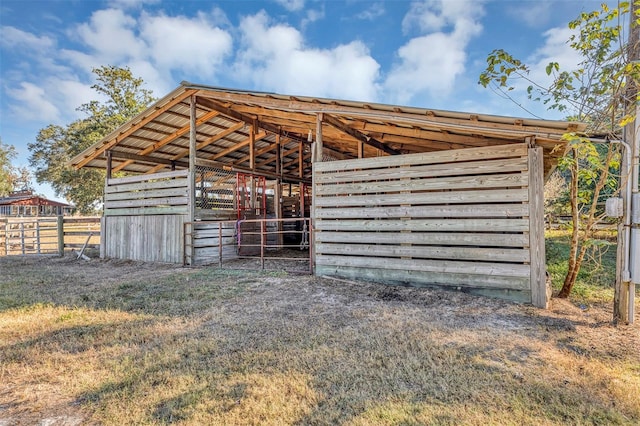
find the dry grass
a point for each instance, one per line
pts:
(106, 342)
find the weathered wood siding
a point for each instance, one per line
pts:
(456, 218)
(212, 242)
(144, 217)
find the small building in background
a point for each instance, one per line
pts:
(27, 204)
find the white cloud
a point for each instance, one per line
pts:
(14, 38)
(312, 16)
(274, 57)
(533, 14)
(374, 11)
(291, 5)
(435, 15)
(33, 103)
(432, 62)
(111, 35)
(191, 45)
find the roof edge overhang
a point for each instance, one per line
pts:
(548, 131)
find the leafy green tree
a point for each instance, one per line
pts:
(55, 145)
(7, 170)
(597, 93)
(12, 178)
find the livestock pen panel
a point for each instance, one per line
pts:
(466, 219)
(144, 216)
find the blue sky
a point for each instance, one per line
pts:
(425, 53)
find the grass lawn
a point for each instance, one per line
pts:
(108, 342)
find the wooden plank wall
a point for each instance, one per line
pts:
(456, 218)
(144, 217)
(213, 242)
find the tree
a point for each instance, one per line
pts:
(56, 145)
(595, 93)
(7, 170)
(12, 178)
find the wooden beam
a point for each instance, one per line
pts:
(134, 127)
(204, 143)
(170, 138)
(332, 121)
(147, 159)
(211, 104)
(238, 146)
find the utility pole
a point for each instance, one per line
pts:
(628, 254)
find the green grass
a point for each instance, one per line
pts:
(597, 276)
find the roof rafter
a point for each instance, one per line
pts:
(168, 139)
(159, 109)
(334, 122)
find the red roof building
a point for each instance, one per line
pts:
(25, 203)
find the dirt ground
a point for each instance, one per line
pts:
(301, 330)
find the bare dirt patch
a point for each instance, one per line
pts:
(116, 342)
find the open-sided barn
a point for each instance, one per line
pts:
(394, 194)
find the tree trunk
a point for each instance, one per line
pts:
(573, 266)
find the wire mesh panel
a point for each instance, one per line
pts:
(214, 192)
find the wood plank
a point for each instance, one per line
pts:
(463, 282)
(146, 178)
(540, 293)
(425, 265)
(454, 156)
(426, 252)
(143, 186)
(426, 225)
(466, 197)
(154, 193)
(517, 164)
(430, 184)
(147, 202)
(429, 211)
(142, 211)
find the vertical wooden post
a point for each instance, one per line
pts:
(60, 228)
(317, 157)
(539, 291)
(109, 163)
(22, 242)
(38, 236)
(278, 156)
(186, 238)
(252, 148)
(300, 160)
(103, 237)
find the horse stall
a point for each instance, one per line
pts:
(396, 195)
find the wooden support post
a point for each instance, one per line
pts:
(539, 292)
(192, 159)
(300, 161)
(252, 148)
(278, 156)
(109, 164)
(60, 228)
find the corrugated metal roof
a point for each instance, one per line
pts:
(161, 133)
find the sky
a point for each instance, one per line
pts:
(425, 53)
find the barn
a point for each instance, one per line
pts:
(25, 203)
(393, 194)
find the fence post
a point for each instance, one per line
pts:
(61, 236)
(38, 235)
